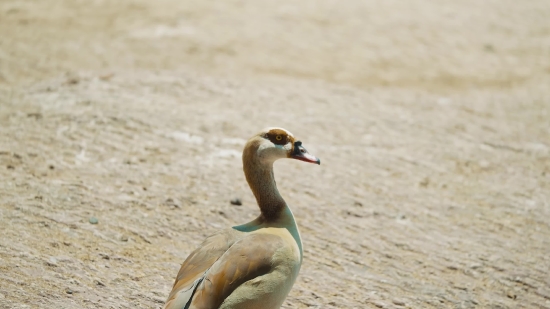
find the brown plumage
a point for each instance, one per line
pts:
(253, 265)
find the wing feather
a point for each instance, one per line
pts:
(246, 259)
(194, 267)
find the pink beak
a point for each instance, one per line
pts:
(300, 153)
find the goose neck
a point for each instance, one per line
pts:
(261, 180)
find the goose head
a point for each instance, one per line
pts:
(272, 144)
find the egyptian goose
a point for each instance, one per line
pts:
(254, 265)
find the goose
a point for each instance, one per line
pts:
(253, 265)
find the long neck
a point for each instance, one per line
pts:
(261, 180)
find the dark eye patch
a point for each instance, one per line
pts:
(278, 137)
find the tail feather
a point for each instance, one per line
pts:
(183, 298)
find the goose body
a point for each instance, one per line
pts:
(254, 265)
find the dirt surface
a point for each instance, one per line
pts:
(431, 118)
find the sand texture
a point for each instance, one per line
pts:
(122, 125)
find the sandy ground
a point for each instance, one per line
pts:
(431, 118)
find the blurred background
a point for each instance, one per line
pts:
(414, 44)
(122, 125)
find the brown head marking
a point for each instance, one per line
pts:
(278, 137)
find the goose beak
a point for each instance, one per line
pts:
(300, 153)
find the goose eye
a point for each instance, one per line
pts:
(278, 137)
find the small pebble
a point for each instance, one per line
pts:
(379, 304)
(52, 262)
(93, 220)
(172, 203)
(73, 80)
(236, 201)
(69, 291)
(222, 213)
(425, 182)
(35, 115)
(124, 238)
(398, 302)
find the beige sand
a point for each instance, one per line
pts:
(432, 120)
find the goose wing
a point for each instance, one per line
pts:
(246, 259)
(194, 267)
